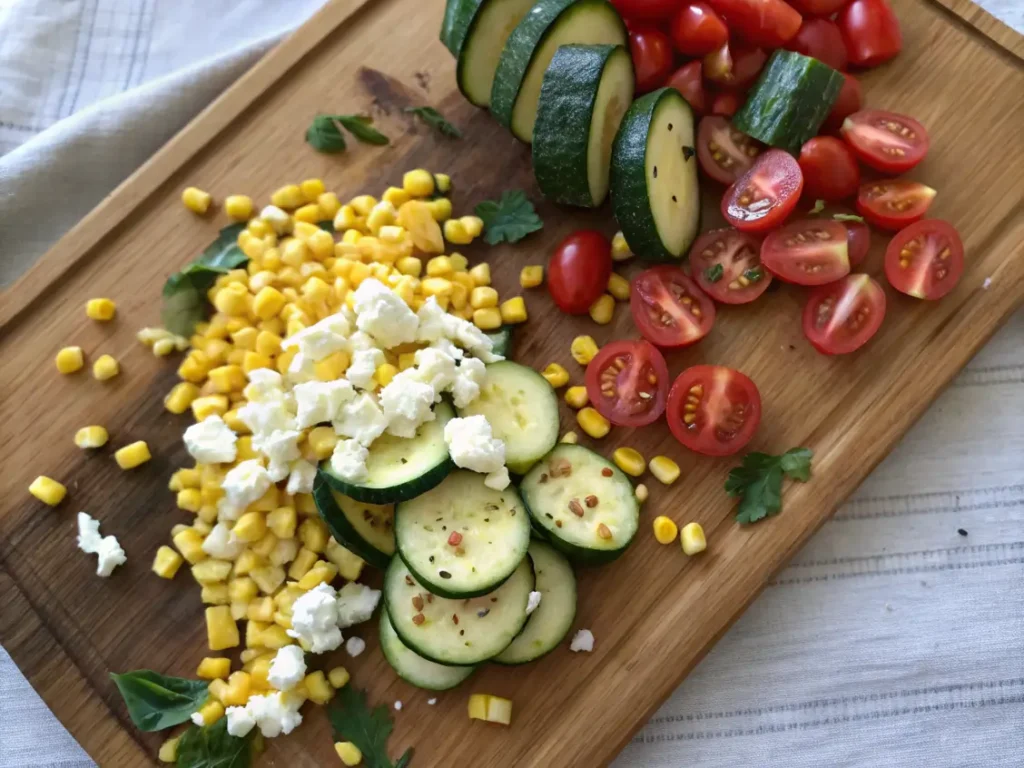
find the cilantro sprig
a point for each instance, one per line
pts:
(353, 720)
(819, 206)
(757, 482)
(510, 219)
(435, 120)
(325, 132)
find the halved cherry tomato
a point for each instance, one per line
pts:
(714, 410)
(578, 271)
(841, 317)
(652, 57)
(687, 80)
(820, 39)
(858, 242)
(734, 66)
(894, 203)
(697, 29)
(627, 382)
(669, 309)
(848, 102)
(727, 265)
(925, 260)
(830, 169)
(646, 9)
(807, 252)
(726, 103)
(765, 195)
(724, 153)
(886, 141)
(871, 31)
(771, 23)
(817, 7)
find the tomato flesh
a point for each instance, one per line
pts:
(830, 169)
(669, 309)
(627, 382)
(578, 271)
(697, 30)
(764, 196)
(724, 153)
(770, 23)
(858, 242)
(646, 9)
(727, 266)
(807, 252)
(733, 66)
(689, 82)
(726, 103)
(849, 100)
(894, 203)
(817, 7)
(925, 260)
(820, 39)
(871, 31)
(652, 57)
(714, 410)
(886, 141)
(841, 317)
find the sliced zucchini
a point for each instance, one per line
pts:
(367, 530)
(532, 45)
(412, 667)
(491, 530)
(585, 94)
(550, 622)
(400, 468)
(475, 31)
(655, 194)
(522, 409)
(502, 340)
(584, 504)
(456, 632)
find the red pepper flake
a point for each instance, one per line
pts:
(576, 508)
(455, 539)
(417, 602)
(607, 472)
(430, 598)
(418, 619)
(455, 618)
(604, 531)
(558, 523)
(591, 501)
(543, 478)
(560, 468)
(408, 580)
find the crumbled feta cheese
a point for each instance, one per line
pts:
(356, 604)
(222, 544)
(275, 714)
(431, 702)
(263, 417)
(264, 384)
(360, 342)
(444, 345)
(362, 420)
(321, 339)
(318, 402)
(355, 646)
(533, 602)
(287, 668)
(431, 317)
(240, 721)
(88, 533)
(211, 441)
(106, 548)
(349, 460)
(281, 447)
(383, 314)
(582, 641)
(436, 324)
(315, 619)
(407, 403)
(472, 446)
(398, 706)
(436, 368)
(276, 218)
(197, 718)
(364, 364)
(301, 477)
(469, 378)
(985, 285)
(242, 485)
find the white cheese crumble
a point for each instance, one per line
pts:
(398, 706)
(318, 341)
(355, 646)
(198, 719)
(222, 544)
(407, 403)
(315, 619)
(319, 402)
(533, 602)
(383, 314)
(436, 368)
(362, 420)
(106, 548)
(240, 721)
(301, 478)
(356, 604)
(582, 641)
(431, 702)
(469, 378)
(242, 485)
(437, 324)
(287, 668)
(349, 461)
(211, 441)
(275, 714)
(281, 447)
(364, 364)
(471, 446)
(985, 285)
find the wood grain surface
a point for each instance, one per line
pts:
(654, 612)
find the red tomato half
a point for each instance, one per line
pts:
(771, 23)
(817, 7)
(849, 100)
(726, 103)
(887, 142)
(820, 39)
(687, 80)
(733, 66)
(925, 260)
(714, 410)
(668, 307)
(894, 203)
(698, 30)
(578, 271)
(830, 169)
(841, 317)
(724, 153)
(871, 31)
(808, 252)
(726, 264)
(646, 9)
(765, 195)
(858, 242)
(652, 57)
(628, 383)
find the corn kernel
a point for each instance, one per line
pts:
(227, 378)
(473, 225)
(620, 248)
(252, 526)
(692, 539)
(396, 196)
(440, 266)
(321, 573)
(481, 274)
(483, 297)
(268, 578)
(302, 564)
(385, 373)
(665, 529)
(666, 470)
(531, 276)
(419, 222)
(47, 490)
(166, 562)
(180, 397)
(513, 310)
(459, 262)
(189, 499)
(436, 286)
(237, 692)
(592, 422)
(602, 310)
(289, 196)
(349, 565)
(312, 189)
(309, 213)
(91, 437)
(221, 630)
(163, 347)
(381, 215)
(331, 367)
(576, 397)
(410, 265)
(211, 712)
(348, 753)
(100, 309)
(238, 207)
(214, 668)
(338, 677)
(418, 183)
(641, 493)
(570, 437)
(630, 461)
(488, 319)
(443, 183)
(455, 232)
(105, 367)
(196, 200)
(363, 204)
(583, 349)
(190, 543)
(493, 709)
(618, 286)
(209, 405)
(168, 752)
(132, 455)
(70, 359)
(556, 375)
(440, 209)
(329, 205)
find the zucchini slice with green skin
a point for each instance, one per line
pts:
(400, 468)
(476, 33)
(502, 340)
(532, 45)
(553, 618)
(456, 632)
(585, 94)
(655, 192)
(462, 539)
(789, 101)
(522, 409)
(367, 530)
(413, 668)
(585, 505)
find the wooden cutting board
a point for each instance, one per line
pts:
(654, 612)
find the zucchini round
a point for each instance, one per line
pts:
(412, 667)
(476, 31)
(367, 530)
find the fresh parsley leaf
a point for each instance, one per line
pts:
(847, 217)
(819, 206)
(324, 135)
(435, 120)
(326, 225)
(352, 720)
(212, 747)
(360, 126)
(156, 702)
(758, 481)
(510, 219)
(714, 273)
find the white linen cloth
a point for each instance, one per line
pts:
(891, 640)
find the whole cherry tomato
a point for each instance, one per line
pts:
(652, 57)
(579, 270)
(830, 169)
(687, 80)
(871, 31)
(646, 9)
(697, 30)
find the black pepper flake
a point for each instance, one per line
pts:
(675, 199)
(487, 519)
(482, 612)
(444, 574)
(688, 153)
(444, 527)
(670, 126)
(494, 599)
(431, 558)
(549, 515)
(655, 171)
(404, 460)
(455, 618)
(461, 633)
(962, 531)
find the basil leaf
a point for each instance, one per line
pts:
(847, 217)
(435, 120)
(325, 135)
(156, 702)
(359, 126)
(212, 747)
(184, 307)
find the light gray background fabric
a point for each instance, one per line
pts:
(891, 640)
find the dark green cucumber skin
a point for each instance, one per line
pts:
(630, 202)
(502, 339)
(386, 619)
(392, 495)
(561, 134)
(435, 588)
(458, 17)
(789, 102)
(341, 529)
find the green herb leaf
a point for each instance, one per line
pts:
(435, 120)
(847, 217)
(361, 127)
(753, 275)
(758, 481)
(819, 206)
(324, 135)
(714, 273)
(352, 720)
(326, 225)
(510, 219)
(156, 702)
(212, 747)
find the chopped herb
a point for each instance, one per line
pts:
(758, 481)
(510, 219)
(714, 273)
(819, 206)
(962, 531)
(847, 217)
(325, 135)
(688, 152)
(326, 225)
(156, 701)
(753, 275)
(352, 720)
(212, 747)
(435, 120)
(360, 126)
